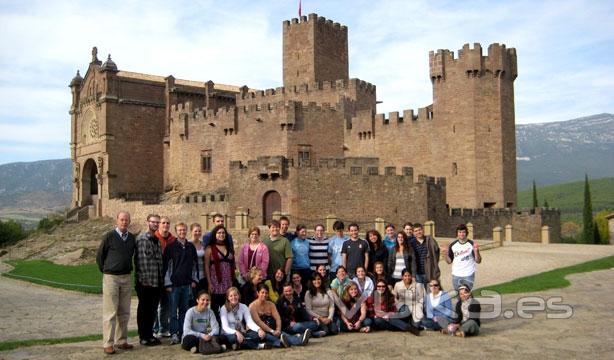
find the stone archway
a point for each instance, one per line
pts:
(271, 202)
(89, 183)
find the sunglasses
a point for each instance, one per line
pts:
(381, 286)
(434, 285)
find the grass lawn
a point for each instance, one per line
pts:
(14, 344)
(553, 279)
(84, 278)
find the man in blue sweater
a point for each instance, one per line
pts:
(181, 276)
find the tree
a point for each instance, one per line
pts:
(602, 225)
(546, 205)
(10, 232)
(534, 195)
(588, 227)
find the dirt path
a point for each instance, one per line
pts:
(581, 336)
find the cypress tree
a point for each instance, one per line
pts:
(534, 195)
(588, 231)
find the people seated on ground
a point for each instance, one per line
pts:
(467, 320)
(275, 284)
(200, 328)
(437, 308)
(353, 310)
(365, 284)
(249, 290)
(238, 328)
(340, 282)
(321, 307)
(298, 287)
(377, 250)
(265, 315)
(294, 317)
(382, 305)
(323, 271)
(401, 257)
(253, 254)
(410, 297)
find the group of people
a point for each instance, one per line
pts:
(282, 289)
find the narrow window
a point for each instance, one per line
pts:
(205, 161)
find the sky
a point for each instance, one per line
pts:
(565, 52)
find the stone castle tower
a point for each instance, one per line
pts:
(190, 148)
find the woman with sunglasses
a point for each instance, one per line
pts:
(438, 308)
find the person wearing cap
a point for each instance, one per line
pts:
(467, 321)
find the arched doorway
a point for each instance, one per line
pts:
(271, 202)
(89, 183)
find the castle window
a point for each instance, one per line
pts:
(454, 128)
(356, 170)
(373, 170)
(205, 161)
(391, 170)
(454, 168)
(304, 158)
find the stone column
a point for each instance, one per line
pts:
(380, 225)
(330, 221)
(497, 236)
(240, 219)
(508, 232)
(545, 234)
(429, 228)
(469, 231)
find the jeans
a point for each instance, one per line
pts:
(421, 278)
(436, 324)
(331, 329)
(466, 280)
(146, 310)
(392, 324)
(162, 320)
(251, 340)
(300, 327)
(178, 305)
(470, 328)
(366, 322)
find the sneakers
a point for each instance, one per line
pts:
(163, 334)
(150, 342)
(414, 330)
(261, 346)
(234, 346)
(175, 339)
(284, 340)
(223, 347)
(319, 334)
(194, 349)
(305, 337)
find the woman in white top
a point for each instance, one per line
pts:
(410, 297)
(365, 284)
(320, 307)
(238, 328)
(400, 258)
(197, 234)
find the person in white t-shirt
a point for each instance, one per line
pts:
(463, 254)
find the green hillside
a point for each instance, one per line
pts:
(569, 197)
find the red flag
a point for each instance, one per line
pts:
(299, 9)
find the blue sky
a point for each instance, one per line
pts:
(565, 52)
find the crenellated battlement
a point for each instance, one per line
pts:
(314, 19)
(351, 86)
(500, 62)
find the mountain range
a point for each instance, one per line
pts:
(549, 153)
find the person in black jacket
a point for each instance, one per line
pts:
(467, 313)
(114, 259)
(294, 316)
(181, 276)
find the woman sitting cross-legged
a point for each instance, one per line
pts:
(410, 297)
(238, 328)
(385, 315)
(200, 328)
(438, 308)
(321, 307)
(265, 315)
(467, 320)
(353, 310)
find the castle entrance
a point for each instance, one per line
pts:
(271, 202)
(89, 183)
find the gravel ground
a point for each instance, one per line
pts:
(32, 311)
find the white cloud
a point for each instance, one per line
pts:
(565, 56)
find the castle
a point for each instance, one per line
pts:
(314, 147)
